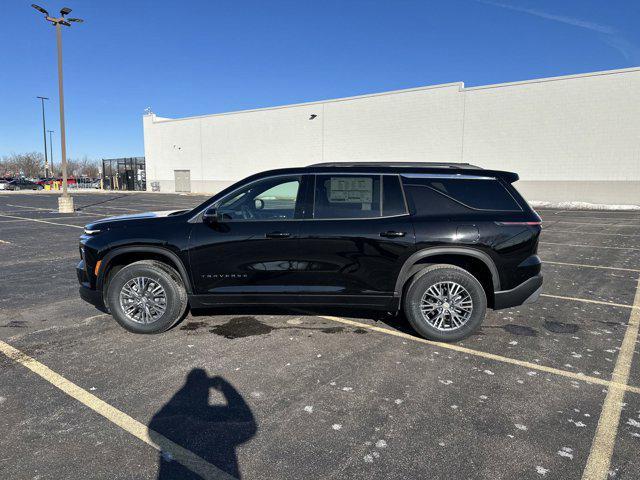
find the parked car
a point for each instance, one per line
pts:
(441, 242)
(3, 183)
(22, 184)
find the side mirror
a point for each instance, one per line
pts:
(210, 215)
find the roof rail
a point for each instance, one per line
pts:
(397, 164)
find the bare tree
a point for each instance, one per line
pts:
(29, 164)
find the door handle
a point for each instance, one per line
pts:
(277, 235)
(392, 234)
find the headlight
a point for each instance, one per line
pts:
(91, 232)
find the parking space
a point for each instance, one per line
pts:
(298, 394)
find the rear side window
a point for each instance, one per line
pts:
(347, 196)
(392, 196)
(476, 194)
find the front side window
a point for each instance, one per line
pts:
(268, 199)
(346, 196)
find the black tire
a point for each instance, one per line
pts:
(444, 273)
(166, 277)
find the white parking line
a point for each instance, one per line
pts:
(152, 438)
(547, 230)
(585, 300)
(591, 266)
(24, 219)
(42, 221)
(594, 224)
(588, 246)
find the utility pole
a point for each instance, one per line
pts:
(65, 202)
(51, 152)
(44, 135)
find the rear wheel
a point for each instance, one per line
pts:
(445, 303)
(146, 297)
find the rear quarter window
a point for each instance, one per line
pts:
(459, 195)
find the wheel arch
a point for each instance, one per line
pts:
(130, 254)
(484, 266)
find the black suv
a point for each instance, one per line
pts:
(442, 242)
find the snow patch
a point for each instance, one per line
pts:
(566, 452)
(541, 470)
(633, 423)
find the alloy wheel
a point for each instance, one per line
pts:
(446, 306)
(143, 300)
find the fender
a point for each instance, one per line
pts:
(406, 270)
(165, 252)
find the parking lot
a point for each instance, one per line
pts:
(547, 390)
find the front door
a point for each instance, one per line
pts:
(251, 247)
(358, 238)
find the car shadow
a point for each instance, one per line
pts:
(397, 321)
(212, 432)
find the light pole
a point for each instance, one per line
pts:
(51, 152)
(65, 202)
(44, 135)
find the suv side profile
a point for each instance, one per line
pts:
(441, 242)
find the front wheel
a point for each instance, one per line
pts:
(146, 297)
(445, 303)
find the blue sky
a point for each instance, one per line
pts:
(191, 57)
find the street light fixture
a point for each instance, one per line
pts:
(44, 135)
(65, 202)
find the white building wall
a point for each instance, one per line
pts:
(573, 138)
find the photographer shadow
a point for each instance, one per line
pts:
(213, 432)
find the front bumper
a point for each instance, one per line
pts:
(527, 292)
(88, 294)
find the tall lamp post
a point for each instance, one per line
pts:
(44, 136)
(65, 202)
(51, 153)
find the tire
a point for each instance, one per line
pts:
(444, 278)
(157, 274)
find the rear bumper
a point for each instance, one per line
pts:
(527, 292)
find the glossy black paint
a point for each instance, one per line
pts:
(302, 260)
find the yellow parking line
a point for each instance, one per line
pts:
(185, 457)
(586, 300)
(487, 355)
(591, 266)
(42, 221)
(588, 246)
(597, 467)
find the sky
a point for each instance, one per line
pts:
(192, 57)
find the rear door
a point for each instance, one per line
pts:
(357, 237)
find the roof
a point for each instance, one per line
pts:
(402, 168)
(396, 165)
